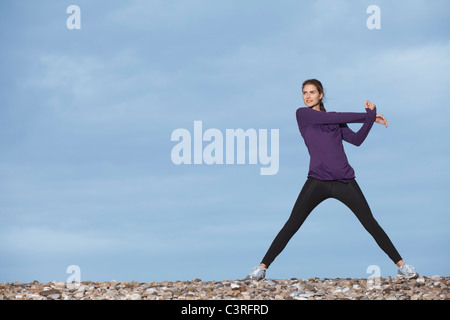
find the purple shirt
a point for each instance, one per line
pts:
(323, 133)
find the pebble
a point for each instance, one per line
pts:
(422, 288)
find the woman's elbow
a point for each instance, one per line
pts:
(354, 142)
(359, 142)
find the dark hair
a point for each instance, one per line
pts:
(319, 88)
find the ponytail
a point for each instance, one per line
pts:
(322, 107)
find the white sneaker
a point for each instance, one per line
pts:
(257, 273)
(407, 271)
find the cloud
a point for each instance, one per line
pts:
(44, 240)
(91, 89)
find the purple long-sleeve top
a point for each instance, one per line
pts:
(323, 133)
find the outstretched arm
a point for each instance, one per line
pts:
(307, 116)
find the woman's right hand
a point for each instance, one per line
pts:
(381, 120)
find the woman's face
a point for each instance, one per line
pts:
(311, 96)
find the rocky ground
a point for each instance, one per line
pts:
(422, 288)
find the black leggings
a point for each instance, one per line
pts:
(314, 192)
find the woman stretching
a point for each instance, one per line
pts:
(330, 175)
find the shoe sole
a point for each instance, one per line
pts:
(252, 279)
(406, 277)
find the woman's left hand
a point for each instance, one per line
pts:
(369, 105)
(381, 119)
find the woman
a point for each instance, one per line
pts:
(330, 175)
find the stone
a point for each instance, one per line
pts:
(136, 296)
(73, 286)
(108, 291)
(310, 287)
(49, 292)
(58, 283)
(420, 280)
(299, 286)
(151, 291)
(81, 289)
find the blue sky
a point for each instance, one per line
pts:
(86, 117)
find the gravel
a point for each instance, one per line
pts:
(422, 288)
